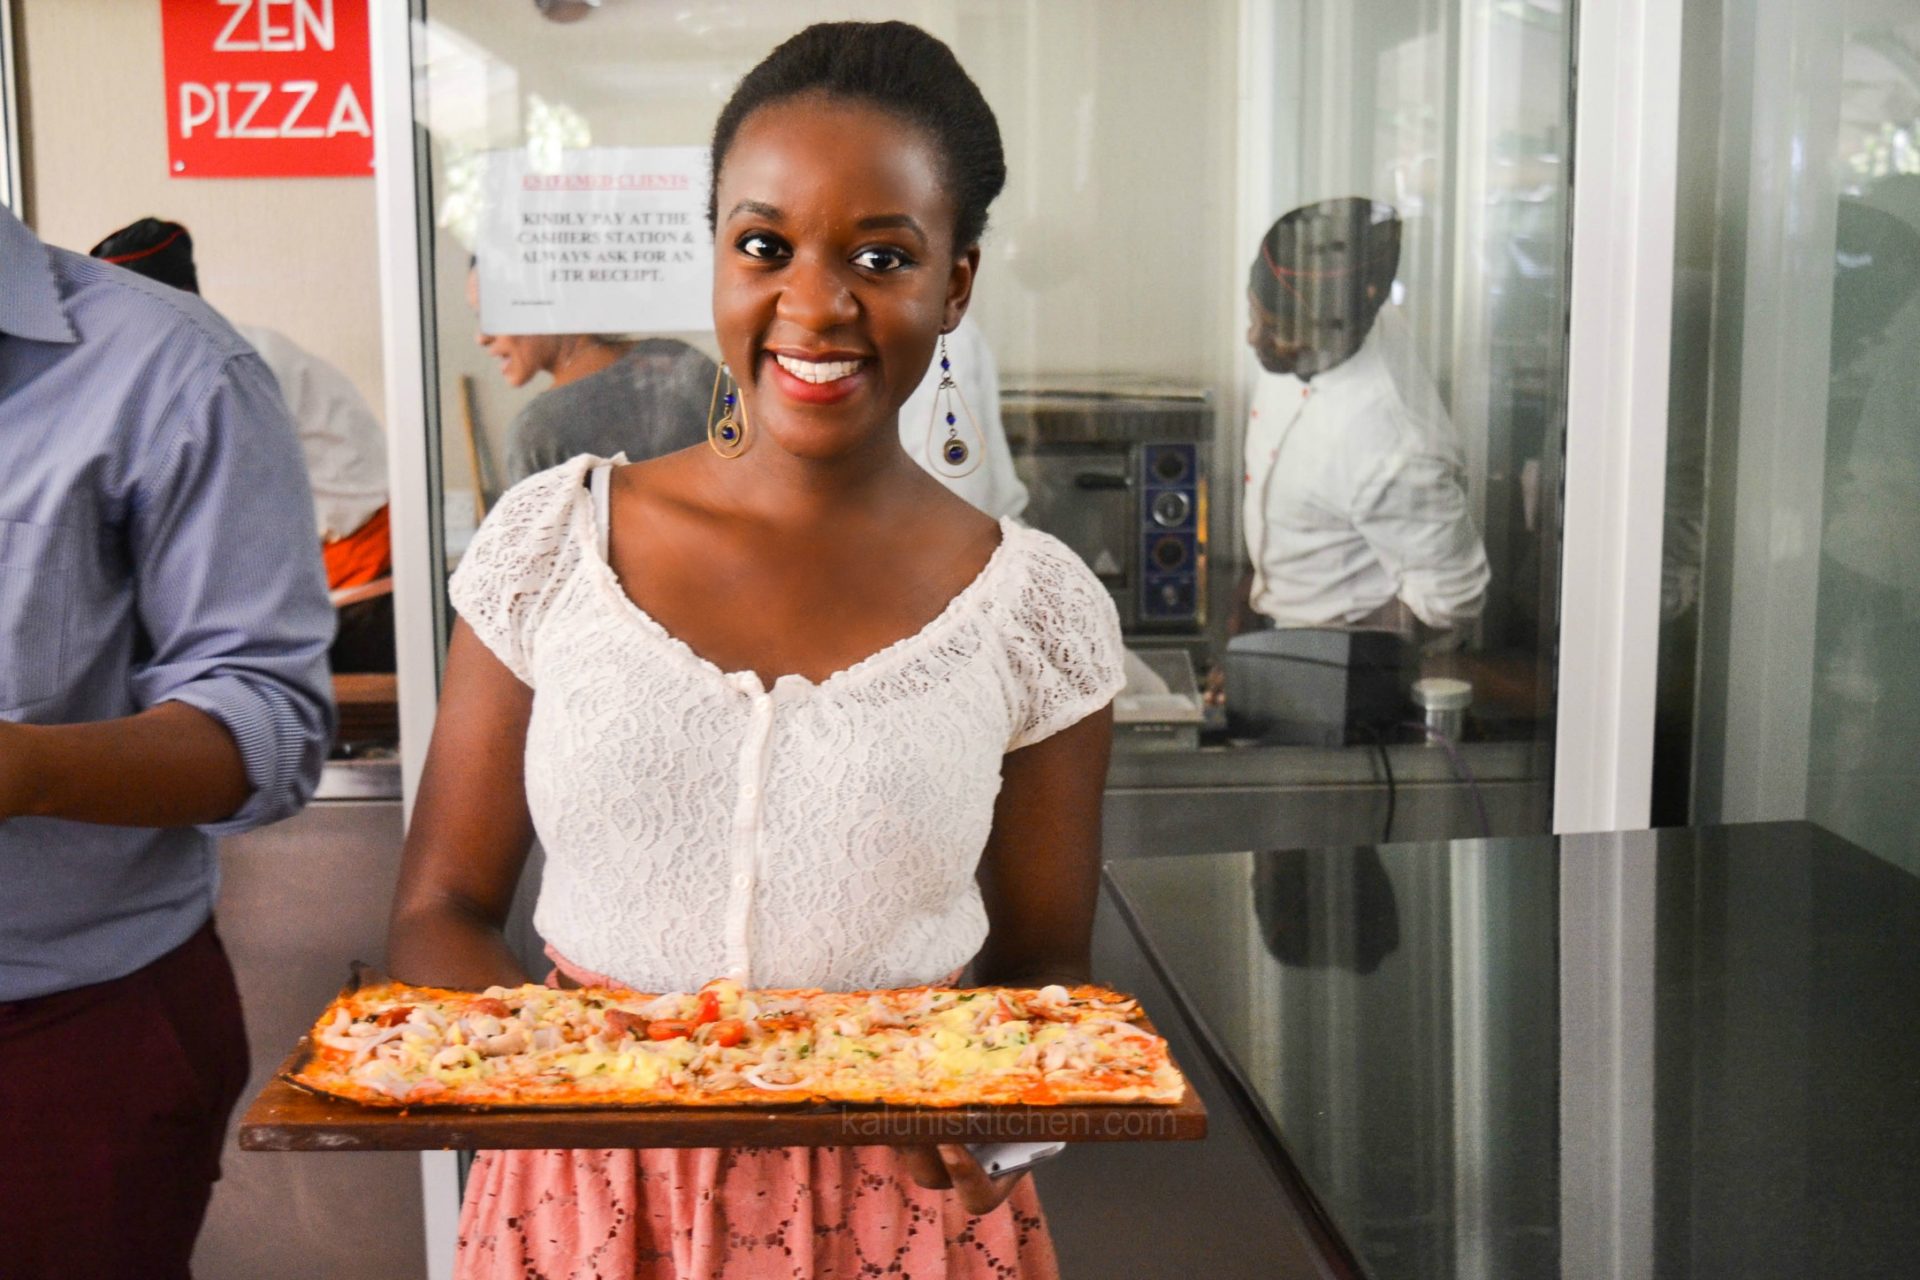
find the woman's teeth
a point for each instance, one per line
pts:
(819, 370)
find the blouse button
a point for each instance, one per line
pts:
(750, 790)
(742, 880)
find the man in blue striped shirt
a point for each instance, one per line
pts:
(163, 633)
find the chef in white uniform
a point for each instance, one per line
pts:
(1356, 511)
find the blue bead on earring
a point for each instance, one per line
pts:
(728, 436)
(952, 458)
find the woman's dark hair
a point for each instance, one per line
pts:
(900, 69)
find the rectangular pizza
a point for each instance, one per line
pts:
(393, 1045)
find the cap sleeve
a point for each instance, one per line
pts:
(1061, 637)
(520, 552)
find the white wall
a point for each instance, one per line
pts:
(296, 254)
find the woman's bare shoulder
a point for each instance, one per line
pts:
(671, 484)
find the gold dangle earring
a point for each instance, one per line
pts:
(953, 458)
(728, 436)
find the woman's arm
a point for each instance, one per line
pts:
(470, 831)
(1040, 873)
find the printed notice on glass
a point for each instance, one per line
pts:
(601, 240)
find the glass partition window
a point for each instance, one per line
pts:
(1789, 675)
(1268, 328)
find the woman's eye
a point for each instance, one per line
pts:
(881, 258)
(759, 244)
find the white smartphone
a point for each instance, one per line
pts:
(1006, 1157)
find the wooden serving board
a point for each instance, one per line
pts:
(286, 1117)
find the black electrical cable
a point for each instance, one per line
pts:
(1386, 767)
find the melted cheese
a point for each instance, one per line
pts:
(957, 1038)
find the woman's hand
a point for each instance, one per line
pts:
(948, 1167)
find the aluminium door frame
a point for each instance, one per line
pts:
(1619, 329)
(12, 166)
(1621, 250)
(1614, 487)
(412, 469)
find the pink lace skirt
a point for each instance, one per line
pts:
(745, 1213)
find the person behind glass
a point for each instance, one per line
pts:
(608, 395)
(164, 625)
(1356, 511)
(783, 710)
(344, 447)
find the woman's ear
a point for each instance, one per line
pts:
(960, 288)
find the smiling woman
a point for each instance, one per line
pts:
(796, 698)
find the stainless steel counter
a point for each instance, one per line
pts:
(1221, 798)
(359, 780)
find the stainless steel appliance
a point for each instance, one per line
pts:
(1116, 468)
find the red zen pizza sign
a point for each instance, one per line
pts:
(267, 88)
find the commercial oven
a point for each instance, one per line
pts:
(1116, 468)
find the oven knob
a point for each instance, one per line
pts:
(1171, 508)
(1170, 466)
(1169, 554)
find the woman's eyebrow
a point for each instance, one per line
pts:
(764, 210)
(887, 221)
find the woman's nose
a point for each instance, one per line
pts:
(816, 297)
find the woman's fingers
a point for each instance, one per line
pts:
(952, 1168)
(979, 1191)
(925, 1167)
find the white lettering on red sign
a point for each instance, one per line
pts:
(241, 110)
(302, 19)
(267, 88)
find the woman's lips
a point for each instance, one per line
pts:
(797, 388)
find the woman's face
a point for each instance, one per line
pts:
(834, 270)
(520, 356)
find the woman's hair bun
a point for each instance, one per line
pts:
(901, 69)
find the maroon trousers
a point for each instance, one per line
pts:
(114, 1101)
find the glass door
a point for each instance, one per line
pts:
(1269, 328)
(1790, 684)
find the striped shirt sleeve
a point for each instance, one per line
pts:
(230, 587)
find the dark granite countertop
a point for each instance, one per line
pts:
(1678, 1053)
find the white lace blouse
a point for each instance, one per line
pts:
(698, 825)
